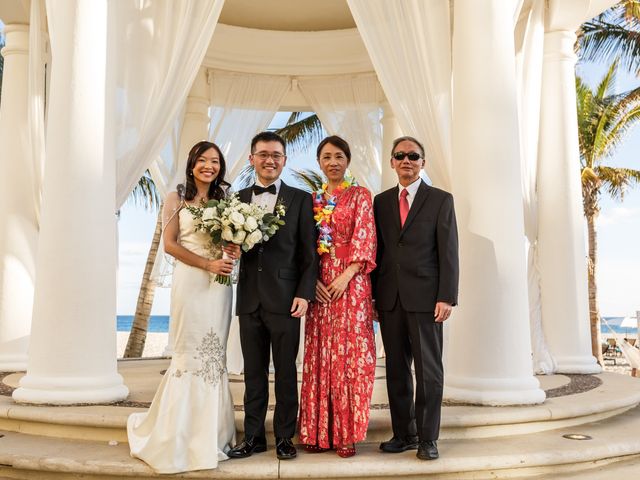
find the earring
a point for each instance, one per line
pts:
(191, 174)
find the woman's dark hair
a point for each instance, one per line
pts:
(189, 190)
(337, 142)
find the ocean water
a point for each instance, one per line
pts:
(160, 323)
(157, 323)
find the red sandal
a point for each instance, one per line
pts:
(314, 449)
(346, 452)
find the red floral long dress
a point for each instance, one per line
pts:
(339, 346)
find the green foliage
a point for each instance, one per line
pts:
(302, 131)
(613, 34)
(604, 119)
(310, 180)
(245, 177)
(145, 193)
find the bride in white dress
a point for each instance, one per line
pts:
(190, 424)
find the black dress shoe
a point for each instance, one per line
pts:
(285, 449)
(398, 444)
(248, 447)
(427, 450)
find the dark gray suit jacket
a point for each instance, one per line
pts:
(419, 262)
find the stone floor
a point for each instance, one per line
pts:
(476, 442)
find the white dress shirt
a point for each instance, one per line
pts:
(266, 200)
(412, 189)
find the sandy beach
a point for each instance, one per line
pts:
(153, 347)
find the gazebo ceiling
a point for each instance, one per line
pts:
(288, 15)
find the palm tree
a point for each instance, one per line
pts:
(145, 194)
(604, 119)
(613, 34)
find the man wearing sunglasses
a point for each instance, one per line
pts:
(415, 286)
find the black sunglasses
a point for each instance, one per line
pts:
(413, 156)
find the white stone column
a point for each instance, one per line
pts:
(73, 341)
(390, 131)
(18, 221)
(194, 129)
(489, 358)
(561, 243)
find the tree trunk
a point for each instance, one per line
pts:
(594, 311)
(138, 335)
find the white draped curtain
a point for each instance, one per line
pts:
(529, 38)
(36, 107)
(409, 42)
(242, 105)
(168, 169)
(349, 106)
(159, 47)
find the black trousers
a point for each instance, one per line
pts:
(413, 336)
(261, 332)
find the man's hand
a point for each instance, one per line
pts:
(299, 307)
(322, 294)
(442, 311)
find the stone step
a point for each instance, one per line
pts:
(546, 454)
(573, 400)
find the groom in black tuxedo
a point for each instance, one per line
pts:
(277, 281)
(415, 288)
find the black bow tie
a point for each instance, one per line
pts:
(258, 190)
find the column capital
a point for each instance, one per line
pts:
(570, 14)
(17, 39)
(559, 46)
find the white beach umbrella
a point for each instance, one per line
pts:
(629, 322)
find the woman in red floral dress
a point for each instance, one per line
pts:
(339, 347)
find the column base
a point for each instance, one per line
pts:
(494, 391)
(584, 364)
(13, 363)
(70, 390)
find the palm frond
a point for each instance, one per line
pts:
(608, 82)
(630, 10)
(145, 193)
(616, 180)
(245, 177)
(618, 132)
(310, 180)
(602, 40)
(604, 119)
(300, 133)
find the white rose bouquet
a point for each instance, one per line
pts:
(231, 221)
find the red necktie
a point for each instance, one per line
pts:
(404, 206)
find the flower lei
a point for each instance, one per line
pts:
(323, 210)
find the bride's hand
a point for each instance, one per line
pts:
(232, 250)
(223, 266)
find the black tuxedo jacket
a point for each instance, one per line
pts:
(419, 262)
(286, 266)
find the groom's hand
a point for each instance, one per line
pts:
(442, 311)
(299, 307)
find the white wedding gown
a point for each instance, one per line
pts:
(190, 424)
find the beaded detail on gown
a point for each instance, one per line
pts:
(190, 424)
